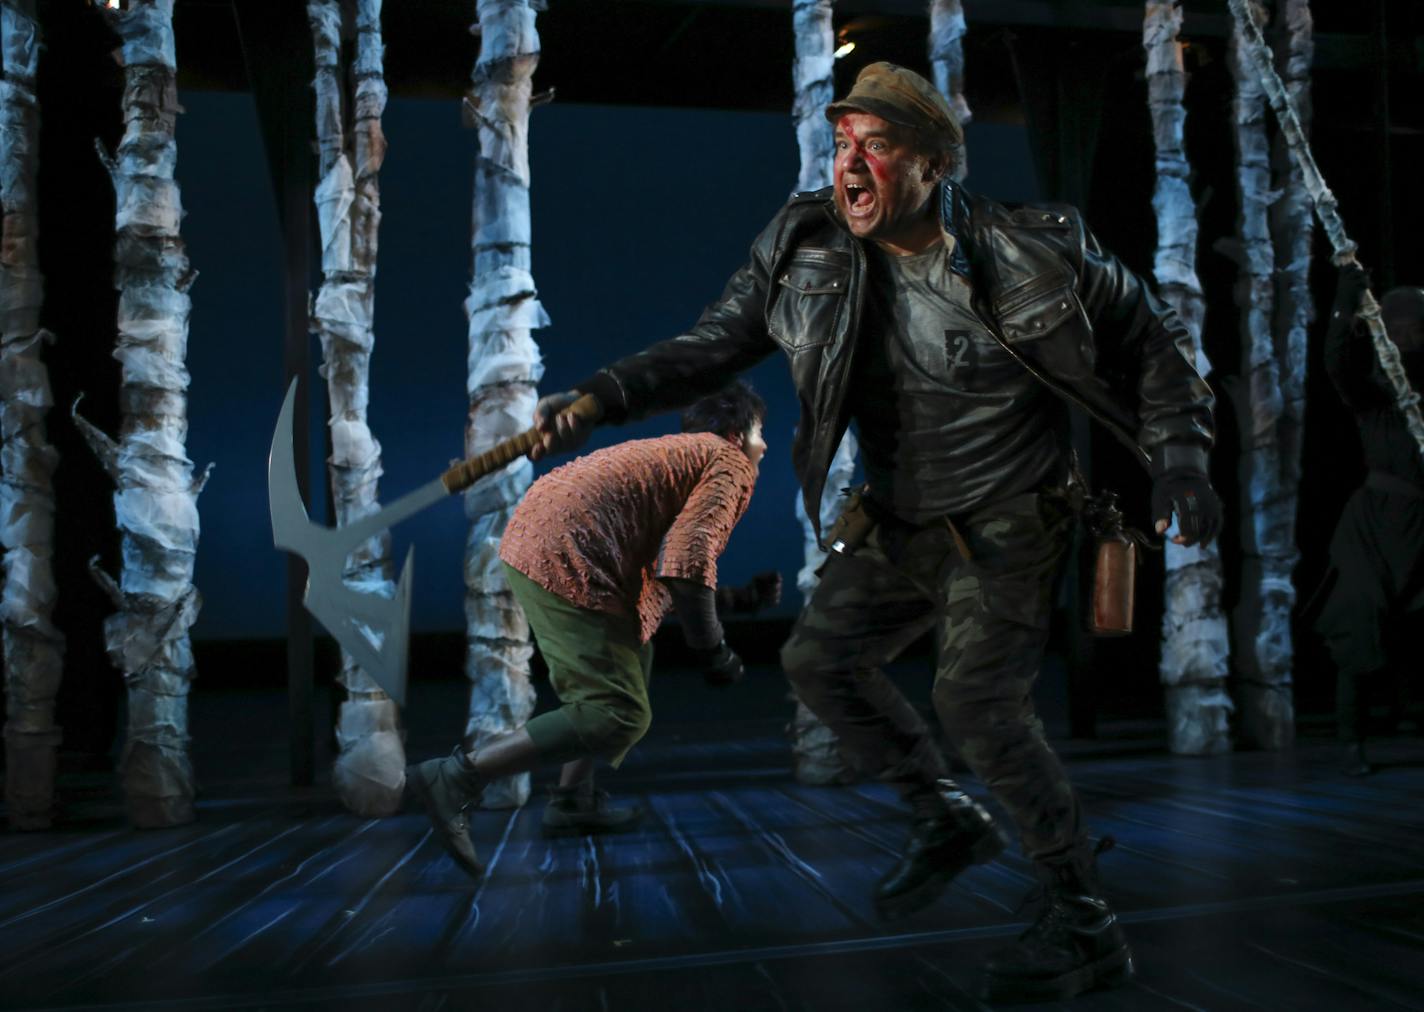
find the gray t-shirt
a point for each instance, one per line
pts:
(948, 420)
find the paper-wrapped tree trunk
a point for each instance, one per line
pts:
(1195, 639)
(815, 751)
(156, 505)
(1262, 645)
(947, 28)
(1267, 710)
(369, 775)
(34, 648)
(503, 368)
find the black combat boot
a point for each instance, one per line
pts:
(1075, 945)
(574, 811)
(447, 787)
(942, 844)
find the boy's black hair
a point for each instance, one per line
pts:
(729, 412)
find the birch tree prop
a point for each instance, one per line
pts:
(815, 749)
(1266, 718)
(502, 371)
(1327, 210)
(947, 30)
(812, 80)
(369, 775)
(156, 502)
(815, 754)
(34, 648)
(1195, 639)
(1263, 647)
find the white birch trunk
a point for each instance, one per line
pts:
(1267, 716)
(369, 774)
(812, 80)
(1326, 208)
(503, 369)
(1195, 638)
(156, 505)
(34, 648)
(947, 30)
(1263, 648)
(815, 749)
(815, 752)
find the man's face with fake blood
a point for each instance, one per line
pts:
(883, 182)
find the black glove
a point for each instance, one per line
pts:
(1354, 281)
(720, 665)
(764, 591)
(1189, 495)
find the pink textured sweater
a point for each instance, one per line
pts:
(599, 531)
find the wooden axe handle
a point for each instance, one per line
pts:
(466, 472)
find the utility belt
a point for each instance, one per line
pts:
(862, 514)
(1111, 553)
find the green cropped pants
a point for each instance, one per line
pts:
(599, 669)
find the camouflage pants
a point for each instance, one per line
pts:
(990, 615)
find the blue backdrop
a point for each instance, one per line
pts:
(639, 216)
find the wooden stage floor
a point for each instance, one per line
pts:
(1247, 881)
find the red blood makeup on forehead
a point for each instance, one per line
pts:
(877, 168)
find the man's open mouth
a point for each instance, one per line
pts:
(859, 199)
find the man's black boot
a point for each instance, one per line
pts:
(574, 811)
(1075, 945)
(447, 787)
(942, 844)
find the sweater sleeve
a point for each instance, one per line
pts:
(696, 609)
(700, 532)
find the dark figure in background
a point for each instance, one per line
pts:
(1373, 614)
(595, 554)
(943, 325)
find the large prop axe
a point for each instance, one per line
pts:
(1326, 210)
(373, 629)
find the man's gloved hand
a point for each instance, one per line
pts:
(764, 591)
(1190, 496)
(562, 430)
(720, 665)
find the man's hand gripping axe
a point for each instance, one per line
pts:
(373, 629)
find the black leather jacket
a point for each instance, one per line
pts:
(1080, 321)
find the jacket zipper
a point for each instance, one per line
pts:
(993, 328)
(858, 272)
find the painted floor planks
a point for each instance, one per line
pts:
(1246, 881)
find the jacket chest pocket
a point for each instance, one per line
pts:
(1049, 307)
(809, 295)
(1036, 308)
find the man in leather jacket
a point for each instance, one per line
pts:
(952, 332)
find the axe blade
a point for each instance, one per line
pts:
(373, 629)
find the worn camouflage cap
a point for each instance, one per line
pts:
(900, 96)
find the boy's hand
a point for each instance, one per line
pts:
(764, 591)
(720, 665)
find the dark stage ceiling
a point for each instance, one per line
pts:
(737, 55)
